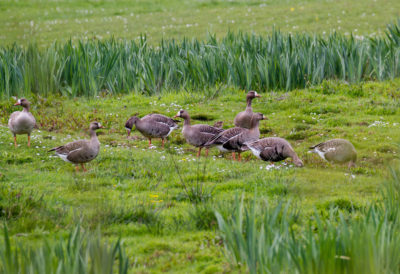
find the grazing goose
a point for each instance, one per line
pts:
(235, 139)
(336, 150)
(152, 126)
(22, 122)
(197, 135)
(218, 124)
(80, 151)
(243, 119)
(274, 149)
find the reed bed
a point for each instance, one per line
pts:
(246, 61)
(270, 239)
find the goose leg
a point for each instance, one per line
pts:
(149, 142)
(77, 168)
(234, 156)
(83, 167)
(207, 152)
(239, 157)
(162, 142)
(199, 152)
(15, 141)
(29, 140)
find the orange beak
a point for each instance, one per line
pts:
(176, 116)
(258, 95)
(17, 104)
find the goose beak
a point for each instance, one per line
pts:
(257, 95)
(18, 103)
(129, 132)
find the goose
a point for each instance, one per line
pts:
(274, 149)
(234, 139)
(243, 119)
(80, 151)
(336, 150)
(152, 126)
(197, 135)
(22, 122)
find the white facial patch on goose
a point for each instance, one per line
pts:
(19, 101)
(255, 93)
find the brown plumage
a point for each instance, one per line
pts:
(81, 151)
(197, 135)
(235, 139)
(22, 122)
(337, 151)
(274, 149)
(152, 126)
(243, 119)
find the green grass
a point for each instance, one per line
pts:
(45, 21)
(136, 194)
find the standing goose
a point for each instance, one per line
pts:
(197, 135)
(336, 150)
(243, 119)
(152, 126)
(274, 149)
(22, 122)
(80, 151)
(235, 139)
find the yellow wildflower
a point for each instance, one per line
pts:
(291, 9)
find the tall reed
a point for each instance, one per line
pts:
(80, 253)
(247, 61)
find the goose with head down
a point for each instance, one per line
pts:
(243, 119)
(337, 151)
(152, 126)
(22, 122)
(197, 135)
(235, 139)
(274, 149)
(81, 151)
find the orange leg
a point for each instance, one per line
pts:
(162, 142)
(29, 140)
(240, 157)
(149, 142)
(206, 151)
(15, 141)
(77, 168)
(83, 167)
(199, 152)
(234, 156)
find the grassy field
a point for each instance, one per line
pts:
(45, 21)
(139, 194)
(142, 210)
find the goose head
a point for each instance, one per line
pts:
(182, 114)
(252, 94)
(129, 124)
(95, 126)
(23, 103)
